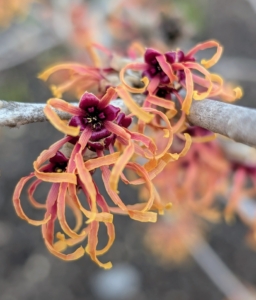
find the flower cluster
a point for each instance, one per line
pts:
(96, 127)
(159, 144)
(167, 75)
(212, 170)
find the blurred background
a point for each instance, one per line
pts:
(37, 34)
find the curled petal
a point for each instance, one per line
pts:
(51, 209)
(144, 174)
(132, 106)
(120, 165)
(188, 142)
(161, 164)
(65, 106)
(106, 160)
(122, 208)
(67, 257)
(134, 48)
(137, 215)
(208, 77)
(206, 45)
(166, 67)
(17, 204)
(134, 67)
(217, 85)
(92, 245)
(204, 139)
(168, 133)
(231, 94)
(190, 88)
(58, 90)
(181, 122)
(31, 191)
(110, 227)
(147, 141)
(148, 216)
(118, 130)
(112, 194)
(59, 124)
(78, 148)
(61, 204)
(77, 213)
(101, 217)
(87, 180)
(47, 154)
(48, 229)
(82, 69)
(153, 99)
(108, 96)
(235, 196)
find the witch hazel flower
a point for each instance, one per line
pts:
(180, 71)
(104, 123)
(95, 76)
(65, 185)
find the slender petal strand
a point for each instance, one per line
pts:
(87, 181)
(31, 191)
(189, 93)
(47, 154)
(67, 66)
(166, 67)
(61, 204)
(153, 99)
(120, 165)
(101, 217)
(64, 106)
(17, 204)
(206, 45)
(132, 106)
(195, 66)
(92, 245)
(110, 227)
(101, 161)
(134, 67)
(59, 124)
(105, 100)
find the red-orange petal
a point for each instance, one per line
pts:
(132, 106)
(17, 205)
(206, 45)
(120, 165)
(62, 126)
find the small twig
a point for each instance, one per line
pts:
(235, 122)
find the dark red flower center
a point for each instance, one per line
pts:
(57, 163)
(94, 118)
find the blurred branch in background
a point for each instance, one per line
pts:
(218, 272)
(253, 4)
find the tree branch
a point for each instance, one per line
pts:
(235, 122)
(14, 114)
